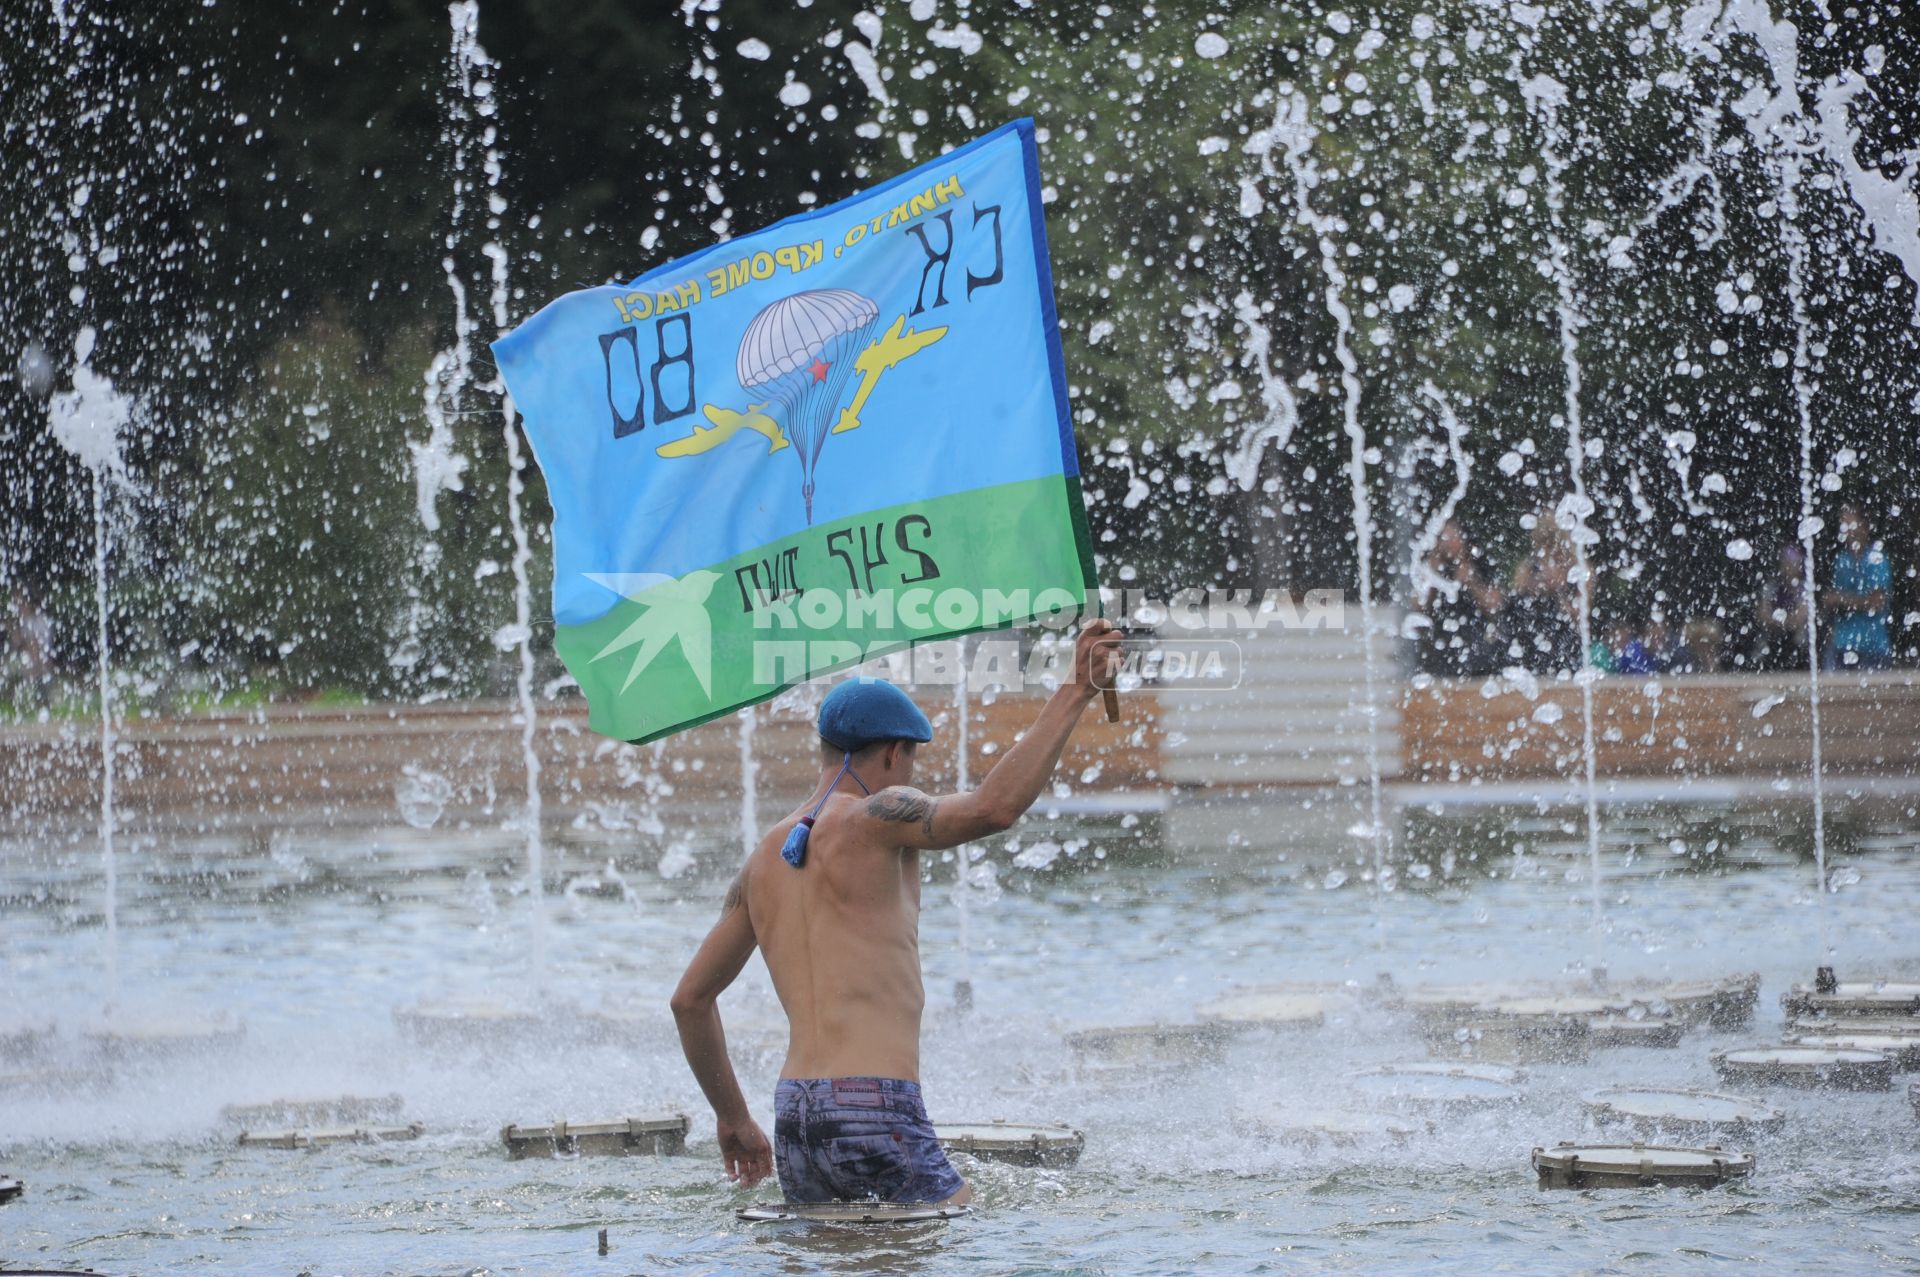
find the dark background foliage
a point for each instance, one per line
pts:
(269, 224)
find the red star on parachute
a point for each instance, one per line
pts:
(818, 369)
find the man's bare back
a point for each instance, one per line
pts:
(841, 938)
(839, 928)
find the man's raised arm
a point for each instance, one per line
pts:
(931, 823)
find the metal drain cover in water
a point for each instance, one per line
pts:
(665, 1134)
(1624, 1030)
(1637, 1166)
(1431, 1083)
(1144, 1043)
(1512, 1038)
(1255, 1008)
(1571, 1004)
(457, 1024)
(1612, 1019)
(1507, 1074)
(338, 1135)
(35, 1081)
(1905, 1051)
(24, 1041)
(1893, 1026)
(1510, 1074)
(1268, 1011)
(1013, 1142)
(850, 1212)
(1726, 1003)
(1805, 1066)
(159, 1037)
(1454, 1001)
(1854, 997)
(1681, 1109)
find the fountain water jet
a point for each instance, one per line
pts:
(1544, 96)
(112, 885)
(471, 63)
(749, 785)
(1774, 126)
(522, 636)
(88, 420)
(437, 466)
(1273, 429)
(1291, 131)
(1424, 580)
(1789, 169)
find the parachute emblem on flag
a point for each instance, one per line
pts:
(800, 351)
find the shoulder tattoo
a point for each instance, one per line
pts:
(908, 806)
(735, 894)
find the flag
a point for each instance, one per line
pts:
(809, 446)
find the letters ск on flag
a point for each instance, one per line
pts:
(809, 446)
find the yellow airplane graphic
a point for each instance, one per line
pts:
(883, 354)
(898, 344)
(726, 424)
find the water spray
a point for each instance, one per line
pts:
(1545, 96)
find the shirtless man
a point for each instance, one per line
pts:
(832, 899)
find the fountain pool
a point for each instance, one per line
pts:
(132, 1167)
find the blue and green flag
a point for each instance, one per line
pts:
(809, 446)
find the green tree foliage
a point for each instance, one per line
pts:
(1177, 240)
(256, 208)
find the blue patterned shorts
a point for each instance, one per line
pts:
(858, 1138)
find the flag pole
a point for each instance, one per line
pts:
(1111, 695)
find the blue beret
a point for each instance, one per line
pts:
(860, 712)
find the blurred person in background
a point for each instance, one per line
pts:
(1604, 654)
(1646, 652)
(1702, 642)
(1780, 614)
(1856, 601)
(29, 635)
(1461, 607)
(1538, 622)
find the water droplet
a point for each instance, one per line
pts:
(1210, 44)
